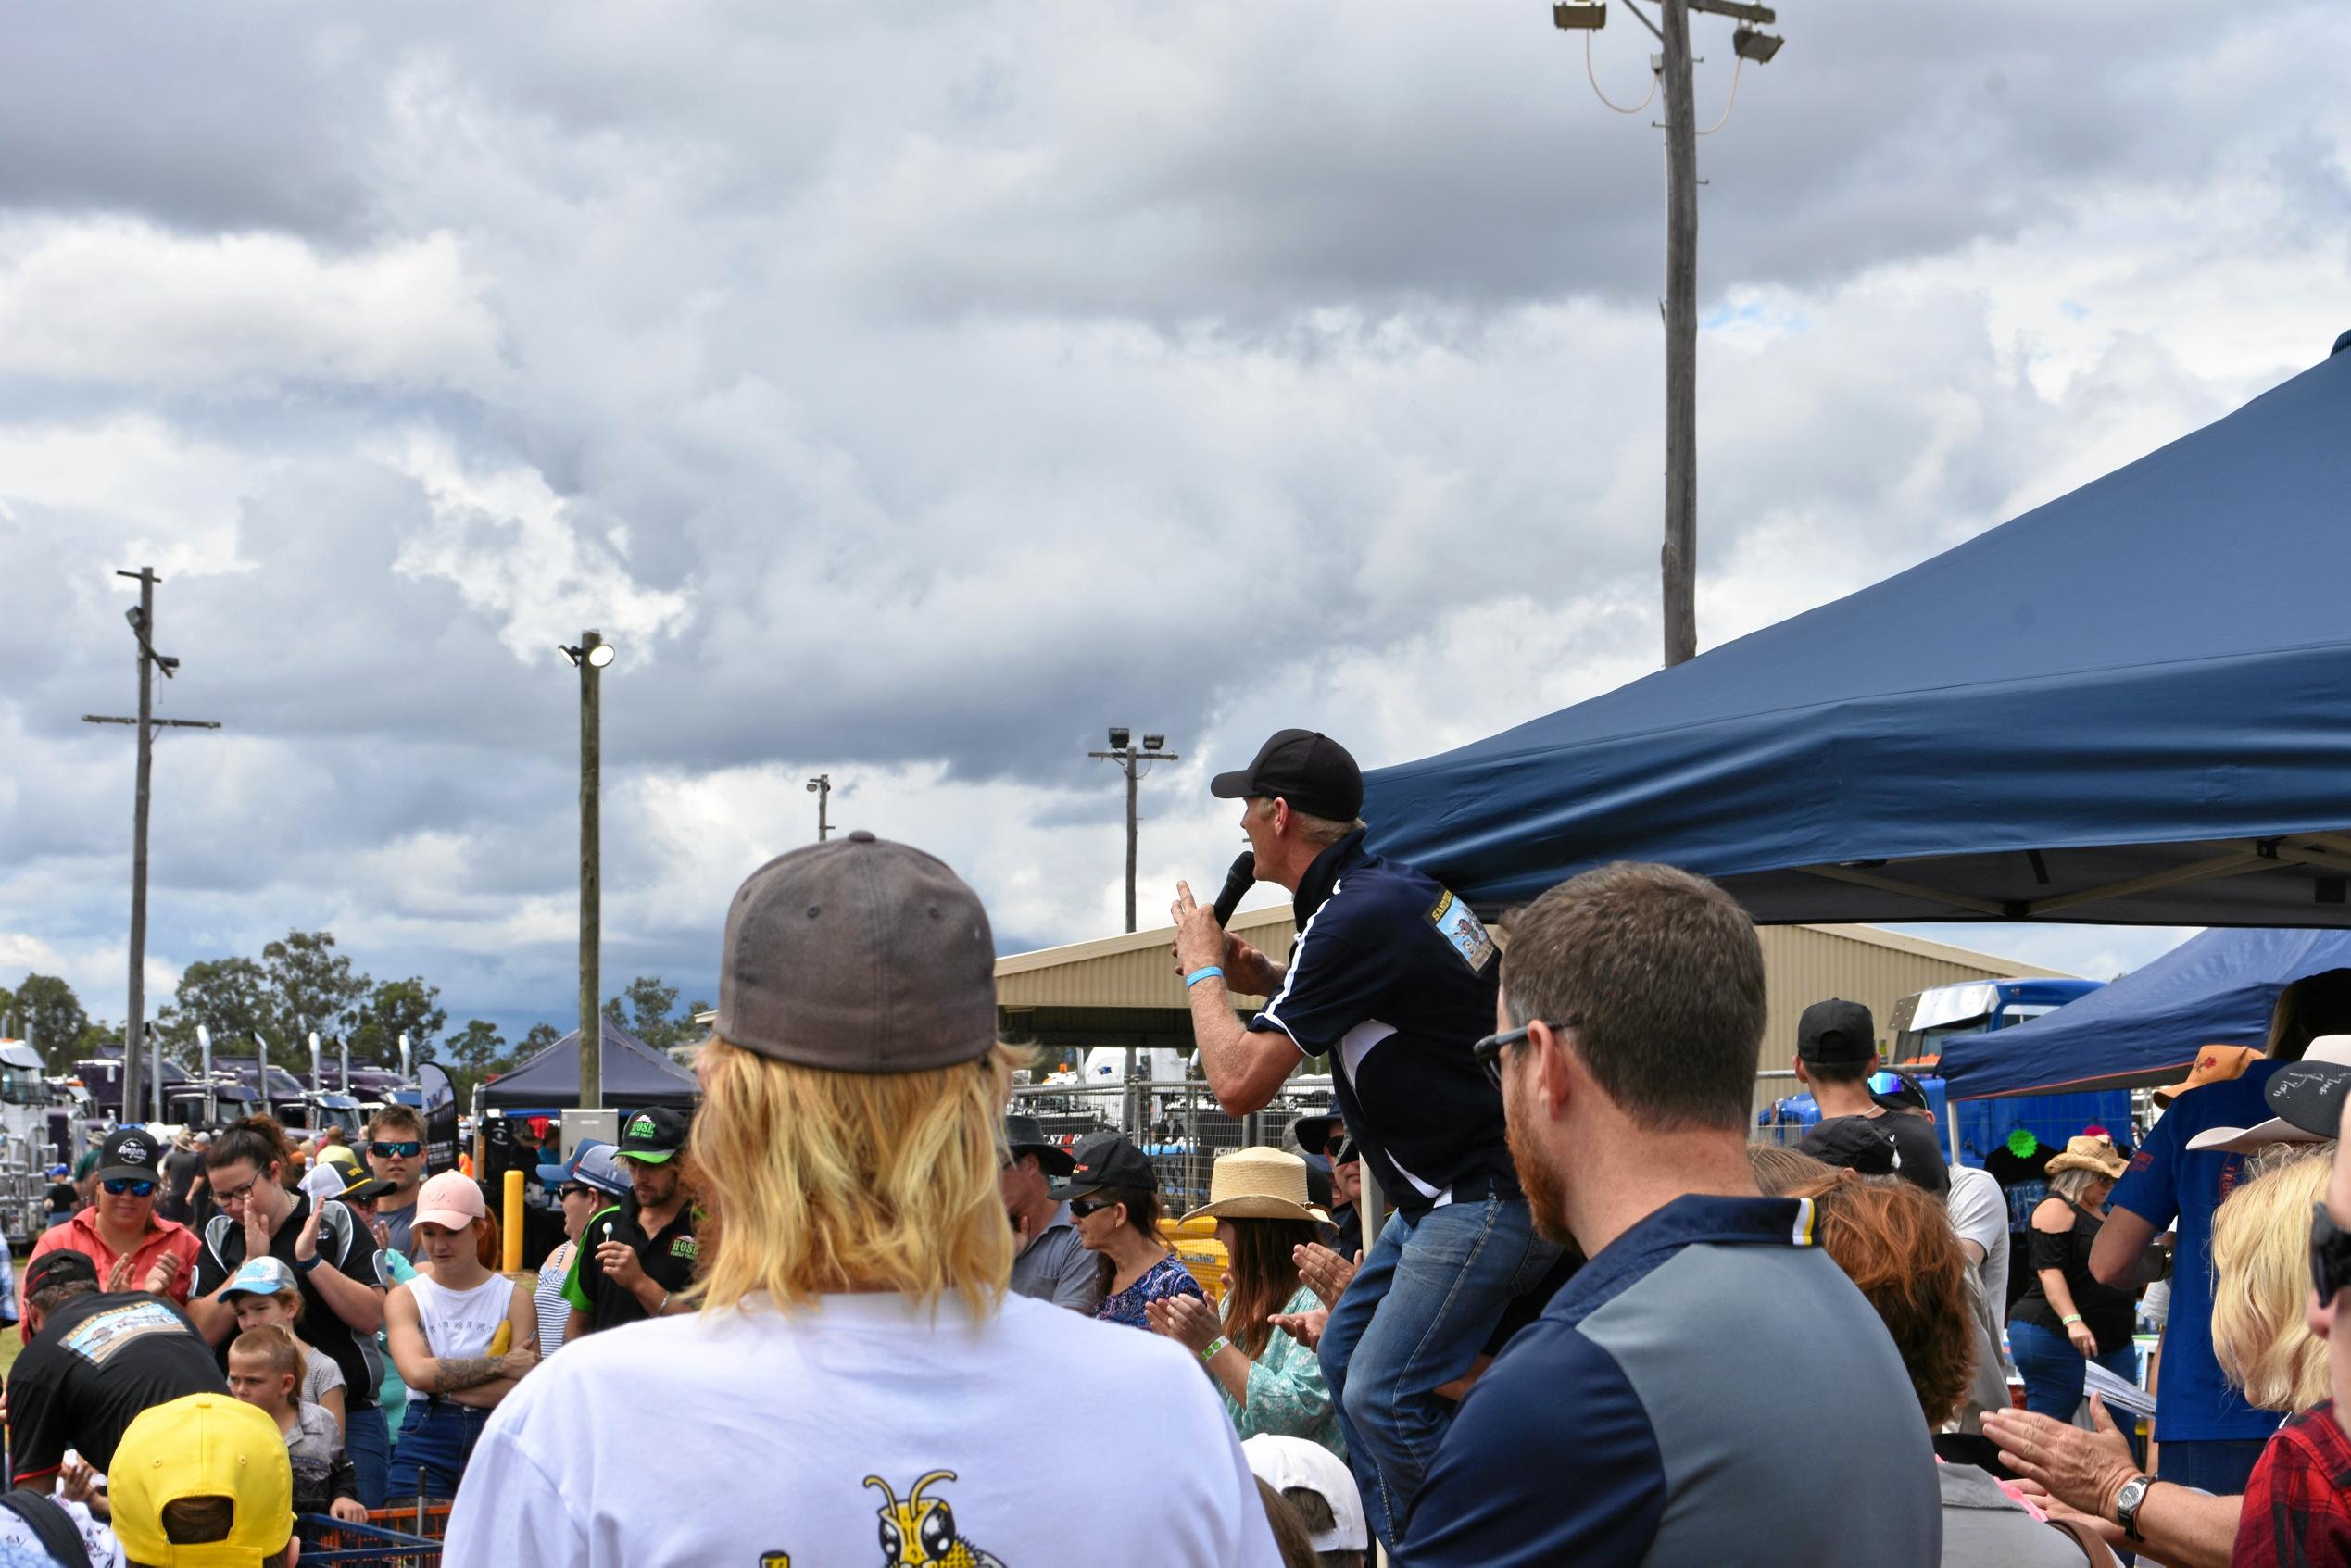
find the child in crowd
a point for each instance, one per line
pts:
(265, 1367)
(265, 1294)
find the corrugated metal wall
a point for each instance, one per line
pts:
(1802, 964)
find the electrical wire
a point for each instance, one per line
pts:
(1734, 98)
(1594, 79)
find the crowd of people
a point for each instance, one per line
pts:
(1592, 1324)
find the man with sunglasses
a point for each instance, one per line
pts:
(395, 1155)
(131, 1246)
(1392, 978)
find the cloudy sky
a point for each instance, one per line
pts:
(914, 390)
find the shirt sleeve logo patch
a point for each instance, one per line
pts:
(1462, 932)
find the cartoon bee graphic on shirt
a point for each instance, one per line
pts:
(920, 1532)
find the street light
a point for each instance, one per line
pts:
(1749, 45)
(1122, 753)
(596, 654)
(590, 658)
(820, 787)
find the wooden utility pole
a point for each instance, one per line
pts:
(1126, 755)
(1679, 560)
(591, 874)
(134, 1025)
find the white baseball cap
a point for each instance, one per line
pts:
(2332, 1049)
(1296, 1463)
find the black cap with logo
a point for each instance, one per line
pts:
(1106, 1160)
(1856, 1143)
(653, 1134)
(130, 1154)
(1304, 767)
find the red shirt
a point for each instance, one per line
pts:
(2298, 1507)
(80, 1234)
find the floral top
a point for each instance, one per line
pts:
(1287, 1395)
(1167, 1277)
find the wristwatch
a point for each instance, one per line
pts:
(2127, 1501)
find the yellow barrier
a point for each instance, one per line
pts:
(511, 1223)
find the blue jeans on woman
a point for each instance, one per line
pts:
(2053, 1371)
(1415, 1318)
(436, 1441)
(368, 1440)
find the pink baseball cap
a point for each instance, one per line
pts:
(451, 1200)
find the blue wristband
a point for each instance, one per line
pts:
(1202, 973)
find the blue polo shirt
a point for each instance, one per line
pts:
(1686, 1398)
(1395, 979)
(2167, 1181)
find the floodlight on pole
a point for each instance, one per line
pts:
(1749, 45)
(597, 654)
(600, 655)
(1573, 15)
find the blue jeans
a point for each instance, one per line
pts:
(436, 1441)
(368, 1442)
(2221, 1465)
(2053, 1373)
(1415, 1318)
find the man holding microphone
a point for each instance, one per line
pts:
(1393, 979)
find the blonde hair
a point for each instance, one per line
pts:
(836, 1181)
(2075, 1181)
(274, 1348)
(2261, 1264)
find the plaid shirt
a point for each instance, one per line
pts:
(2298, 1507)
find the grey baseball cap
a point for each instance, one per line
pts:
(859, 956)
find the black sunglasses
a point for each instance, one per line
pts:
(1081, 1207)
(575, 1189)
(2329, 1255)
(406, 1149)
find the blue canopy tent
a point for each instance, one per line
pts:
(2215, 989)
(634, 1075)
(2131, 706)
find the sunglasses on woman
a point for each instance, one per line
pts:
(120, 1184)
(1082, 1207)
(2329, 1255)
(408, 1148)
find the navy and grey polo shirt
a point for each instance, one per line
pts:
(1687, 1398)
(1396, 979)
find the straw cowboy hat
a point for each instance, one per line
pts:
(1258, 1183)
(2089, 1154)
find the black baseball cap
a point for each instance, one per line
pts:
(1106, 1160)
(64, 1266)
(1857, 1143)
(653, 1134)
(2310, 1094)
(1837, 1032)
(1306, 768)
(1026, 1135)
(1312, 1134)
(130, 1154)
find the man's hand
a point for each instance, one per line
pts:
(351, 1510)
(1185, 1319)
(1200, 941)
(1326, 1273)
(1304, 1327)
(618, 1260)
(1022, 1237)
(159, 1278)
(2083, 1470)
(1248, 971)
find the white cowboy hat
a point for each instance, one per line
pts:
(1258, 1183)
(2332, 1049)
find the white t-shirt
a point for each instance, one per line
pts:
(1978, 1213)
(745, 1435)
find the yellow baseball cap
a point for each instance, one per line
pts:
(203, 1446)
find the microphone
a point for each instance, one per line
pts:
(1238, 882)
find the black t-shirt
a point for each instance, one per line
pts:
(1919, 1155)
(63, 1201)
(181, 1168)
(96, 1363)
(1395, 979)
(344, 1244)
(2108, 1314)
(667, 1258)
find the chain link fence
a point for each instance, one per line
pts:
(1767, 1122)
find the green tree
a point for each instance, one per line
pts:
(651, 1012)
(230, 997)
(399, 1007)
(314, 987)
(53, 1019)
(541, 1036)
(476, 1052)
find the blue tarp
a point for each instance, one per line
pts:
(2131, 705)
(2216, 989)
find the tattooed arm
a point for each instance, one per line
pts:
(469, 1380)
